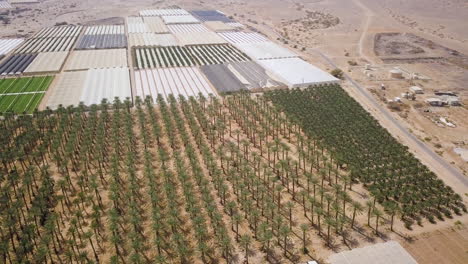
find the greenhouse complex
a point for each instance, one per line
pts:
(160, 52)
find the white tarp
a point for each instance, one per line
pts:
(106, 84)
(296, 72)
(89, 59)
(265, 50)
(187, 19)
(7, 45)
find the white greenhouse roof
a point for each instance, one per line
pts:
(265, 50)
(151, 39)
(106, 84)
(382, 253)
(296, 72)
(163, 12)
(89, 59)
(47, 62)
(7, 45)
(187, 19)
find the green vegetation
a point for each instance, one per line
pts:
(373, 157)
(22, 95)
(203, 180)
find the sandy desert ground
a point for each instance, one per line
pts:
(345, 31)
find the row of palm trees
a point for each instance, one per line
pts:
(394, 177)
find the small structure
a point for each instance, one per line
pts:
(396, 73)
(435, 102)
(368, 67)
(397, 100)
(416, 90)
(451, 100)
(449, 93)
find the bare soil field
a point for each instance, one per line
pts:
(442, 246)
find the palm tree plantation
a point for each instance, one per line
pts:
(244, 178)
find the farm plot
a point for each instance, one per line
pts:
(137, 25)
(199, 38)
(222, 78)
(156, 25)
(296, 72)
(187, 28)
(105, 30)
(164, 12)
(162, 57)
(235, 25)
(186, 81)
(58, 32)
(47, 62)
(265, 50)
(95, 59)
(22, 95)
(152, 39)
(253, 76)
(5, 5)
(16, 64)
(186, 19)
(210, 15)
(67, 90)
(113, 41)
(187, 56)
(236, 76)
(106, 84)
(7, 45)
(218, 26)
(47, 45)
(243, 37)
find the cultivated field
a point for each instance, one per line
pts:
(210, 180)
(22, 95)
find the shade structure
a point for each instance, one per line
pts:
(236, 76)
(186, 19)
(16, 64)
(187, 28)
(156, 25)
(152, 39)
(164, 12)
(243, 37)
(186, 56)
(60, 31)
(265, 50)
(210, 15)
(218, 26)
(296, 72)
(106, 84)
(66, 90)
(185, 81)
(48, 44)
(47, 62)
(199, 38)
(107, 41)
(105, 30)
(96, 59)
(5, 5)
(7, 45)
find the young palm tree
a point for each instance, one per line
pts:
(245, 242)
(304, 228)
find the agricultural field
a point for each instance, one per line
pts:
(16, 64)
(103, 37)
(59, 32)
(7, 45)
(97, 59)
(187, 56)
(185, 81)
(151, 39)
(34, 45)
(22, 95)
(47, 62)
(242, 178)
(210, 15)
(243, 37)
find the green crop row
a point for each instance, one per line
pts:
(22, 103)
(23, 85)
